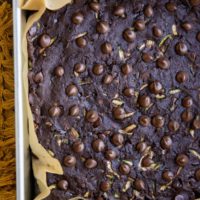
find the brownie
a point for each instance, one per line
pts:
(114, 88)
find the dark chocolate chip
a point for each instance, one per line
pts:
(126, 69)
(186, 26)
(141, 147)
(59, 71)
(78, 147)
(79, 67)
(94, 6)
(117, 139)
(144, 120)
(166, 142)
(146, 57)
(158, 121)
(45, 41)
(102, 27)
(198, 36)
(90, 163)
(69, 161)
(157, 31)
(173, 125)
(144, 101)
(181, 48)
(128, 92)
(195, 2)
(92, 116)
(182, 160)
(119, 11)
(197, 174)
(148, 11)
(196, 123)
(187, 116)
(98, 145)
(146, 161)
(98, 69)
(163, 63)
(38, 78)
(55, 111)
(181, 77)
(107, 79)
(77, 18)
(187, 102)
(105, 186)
(81, 42)
(139, 25)
(74, 110)
(171, 6)
(62, 185)
(106, 48)
(124, 169)
(155, 87)
(110, 154)
(129, 35)
(71, 90)
(139, 184)
(167, 175)
(118, 113)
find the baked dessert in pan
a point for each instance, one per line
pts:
(114, 88)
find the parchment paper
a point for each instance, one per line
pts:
(45, 162)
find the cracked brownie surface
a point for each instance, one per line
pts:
(114, 88)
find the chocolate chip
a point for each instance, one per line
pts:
(38, 78)
(129, 35)
(98, 145)
(146, 57)
(106, 48)
(139, 184)
(128, 92)
(119, 11)
(94, 6)
(45, 41)
(139, 25)
(74, 110)
(105, 186)
(187, 116)
(69, 161)
(187, 102)
(141, 147)
(170, 6)
(55, 111)
(186, 26)
(144, 101)
(118, 113)
(148, 11)
(181, 77)
(181, 48)
(79, 67)
(146, 161)
(173, 125)
(71, 90)
(197, 174)
(90, 163)
(157, 31)
(158, 121)
(124, 169)
(144, 120)
(163, 63)
(81, 42)
(78, 147)
(117, 139)
(102, 27)
(198, 36)
(167, 175)
(77, 18)
(126, 69)
(182, 160)
(166, 142)
(155, 87)
(107, 79)
(92, 116)
(196, 123)
(195, 2)
(62, 185)
(59, 71)
(98, 69)
(110, 155)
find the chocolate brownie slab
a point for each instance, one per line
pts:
(114, 87)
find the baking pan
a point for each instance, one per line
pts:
(23, 169)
